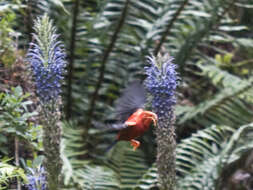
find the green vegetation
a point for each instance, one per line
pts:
(107, 43)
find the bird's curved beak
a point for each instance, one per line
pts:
(152, 116)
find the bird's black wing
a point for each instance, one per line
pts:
(109, 126)
(132, 98)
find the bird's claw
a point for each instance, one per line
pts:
(153, 117)
(135, 144)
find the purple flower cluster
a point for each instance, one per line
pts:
(37, 179)
(48, 71)
(161, 83)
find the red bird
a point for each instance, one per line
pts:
(137, 124)
(134, 120)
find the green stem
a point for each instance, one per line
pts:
(166, 154)
(51, 143)
(17, 160)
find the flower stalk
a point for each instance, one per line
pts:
(161, 83)
(47, 58)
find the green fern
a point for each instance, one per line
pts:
(129, 165)
(73, 148)
(226, 105)
(192, 37)
(149, 179)
(201, 158)
(94, 177)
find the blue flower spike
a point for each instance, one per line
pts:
(47, 58)
(36, 179)
(161, 83)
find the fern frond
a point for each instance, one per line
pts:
(97, 178)
(122, 170)
(73, 148)
(149, 179)
(223, 79)
(129, 165)
(204, 143)
(201, 158)
(226, 105)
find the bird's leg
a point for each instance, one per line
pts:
(135, 144)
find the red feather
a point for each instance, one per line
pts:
(138, 123)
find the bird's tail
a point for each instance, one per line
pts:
(111, 145)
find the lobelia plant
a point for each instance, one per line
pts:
(161, 83)
(47, 58)
(36, 179)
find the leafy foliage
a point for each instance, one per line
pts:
(15, 117)
(7, 36)
(195, 32)
(201, 158)
(107, 42)
(8, 172)
(73, 147)
(122, 166)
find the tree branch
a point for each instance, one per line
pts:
(71, 60)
